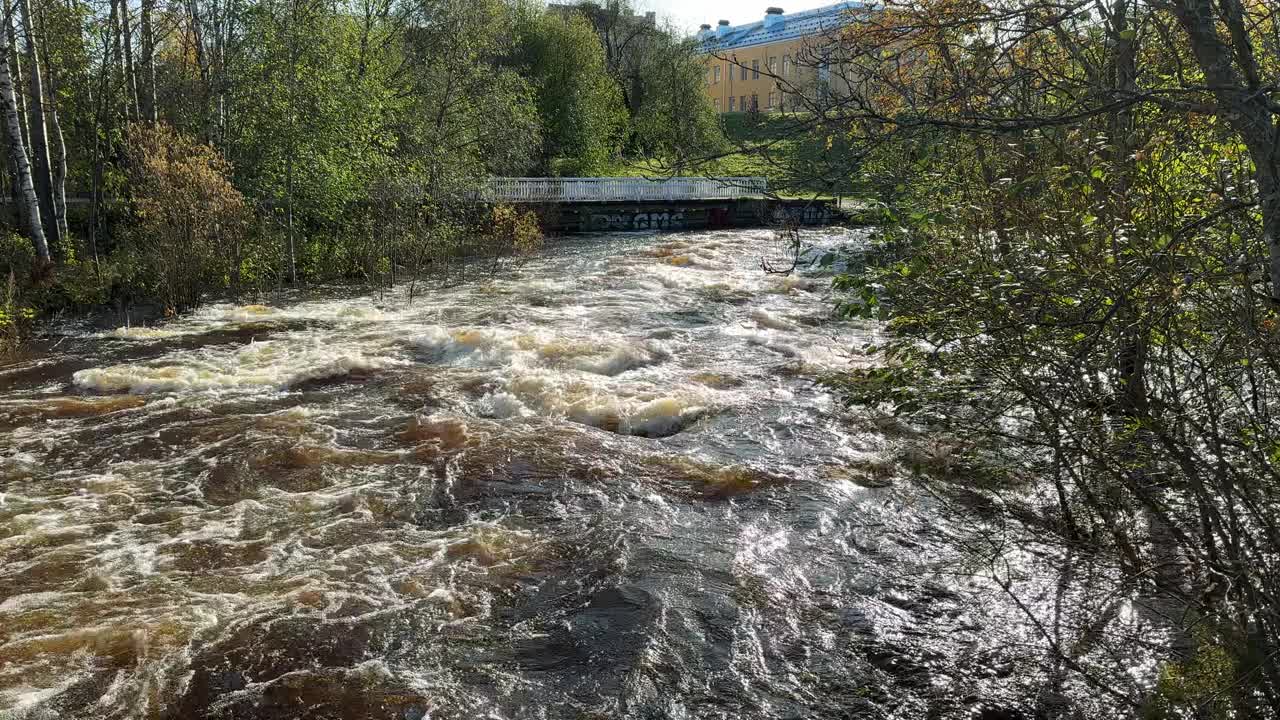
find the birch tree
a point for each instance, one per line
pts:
(42, 167)
(18, 154)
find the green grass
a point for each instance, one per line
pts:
(766, 145)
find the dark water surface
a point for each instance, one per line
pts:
(604, 486)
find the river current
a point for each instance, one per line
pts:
(604, 484)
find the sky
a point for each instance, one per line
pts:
(689, 14)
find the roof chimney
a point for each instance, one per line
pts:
(773, 18)
(704, 31)
(722, 29)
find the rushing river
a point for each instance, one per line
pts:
(602, 485)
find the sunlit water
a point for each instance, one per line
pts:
(603, 485)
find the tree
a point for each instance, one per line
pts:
(43, 167)
(627, 40)
(189, 219)
(672, 118)
(293, 117)
(18, 155)
(1084, 295)
(471, 115)
(580, 105)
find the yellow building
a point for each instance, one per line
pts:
(765, 64)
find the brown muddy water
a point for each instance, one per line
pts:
(604, 485)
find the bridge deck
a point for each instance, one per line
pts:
(621, 189)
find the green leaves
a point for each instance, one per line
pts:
(580, 104)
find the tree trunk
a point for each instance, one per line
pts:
(117, 49)
(1232, 73)
(18, 154)
(59, 174)
(95, 201)
(130, 78)
(104, 120)
(148, 97)
(16, 72)
(202, 64)
(59, 153)
(1269, 204)
(43, 174)
(15, 187)
(218, 77)
(288, 184)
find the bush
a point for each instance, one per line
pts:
(190, 221)
(17, 265)
(513, 232)
(14, 316)
(17, 255)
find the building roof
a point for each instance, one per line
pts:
(793, 25)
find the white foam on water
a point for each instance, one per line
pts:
(596, 345)
(142, 333)
(766, 319)
(24, 697)
(505, 347)
(616, 361)
(771, 340)
(502, 405)
(469, 347)
(791, 283)
(269, 364)
(248, 313)
(20, 603)
(626, 410)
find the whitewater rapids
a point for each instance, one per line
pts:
(605, 484)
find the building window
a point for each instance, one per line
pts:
(755, 103)
(742, 103)
(773, 65)
(744, 73)
(731, 107)
(755, 69)
(717, 103)
(715, 75)
(786, 65)
(771, 100)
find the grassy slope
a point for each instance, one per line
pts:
(767, 146)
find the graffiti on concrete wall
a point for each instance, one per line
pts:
(806, 215)
(589, 217)
(636, 221)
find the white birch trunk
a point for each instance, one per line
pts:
(42, 170)
(18, 153)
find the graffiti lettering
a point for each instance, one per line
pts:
(636, 221)
(810, 215)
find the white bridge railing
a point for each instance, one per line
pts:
(620, 189)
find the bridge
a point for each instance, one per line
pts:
(636, 203)
(576, 204)
(621, 189)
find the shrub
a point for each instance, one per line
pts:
(513, 232)
(15, 316)
(190, 221)
(17, 266)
